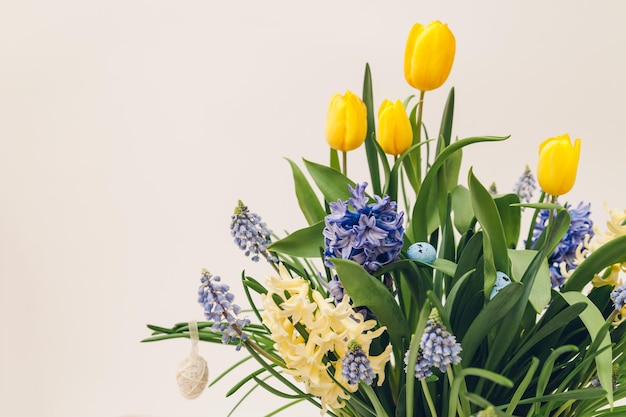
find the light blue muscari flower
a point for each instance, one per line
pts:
(369, 234)
(251, 234)
(439, 347)
(525, 186)
(217, 301)
(619, 297)
(580, 227)
(355, 366)
(422, 366)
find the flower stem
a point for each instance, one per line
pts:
(345, 163)
(429, 399)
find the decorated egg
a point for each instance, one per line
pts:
(423, 252)
(502, 280)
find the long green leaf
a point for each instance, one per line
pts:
(608, 254)
(307, 200)
(594, 321)
(332, 183)
(365, 290)
(421, 210)
(305, 243)
(370, 146)
(494, 241)
(540, 291)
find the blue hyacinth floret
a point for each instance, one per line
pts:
(580, 227)
(217, 301)
(619, 297)
(355, 366)
(251, 234)
(369, 234)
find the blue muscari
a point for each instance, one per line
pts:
(422, 366)
(581, 225)
(355, 366)
(251, 234)
(439, 347)
(217, 301)
(525, 186)
(619, 296)
(369, 234)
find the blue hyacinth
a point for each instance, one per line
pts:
(369, 234)
(580, 227)
(250, 233)
(355, 366)
(217, 301)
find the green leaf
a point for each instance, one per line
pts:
(305, 243)
(462, 208)
(594, 321)
(608, 254)
(495, 311)
(422, 209)
(494, 240)
(332, 183)
(481, 373)
(365, 290)
(307, 200)
(540, 291)
(511, 217)
(370, 146)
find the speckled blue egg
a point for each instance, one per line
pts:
(502, 280)
(423, 252)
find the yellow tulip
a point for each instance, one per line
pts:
(558, 162)
(395, 133)
(346, 122)
(429, 55)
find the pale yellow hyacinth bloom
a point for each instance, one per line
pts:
(329, 328)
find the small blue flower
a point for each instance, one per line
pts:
(355, 366)
(334, 288)
(439, 347)
(251, 234)
(619, 296)
(525, 186)
(422, 366)
(369, 234)
(217, 301)
(580, 227)
(423, 252)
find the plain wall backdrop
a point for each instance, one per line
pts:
(129, 129)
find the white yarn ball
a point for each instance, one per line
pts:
(192, 376)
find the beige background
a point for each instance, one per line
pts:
(129, 129)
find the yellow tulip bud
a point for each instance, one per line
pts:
(558, 162)
(395, 133)
(346, 122)
(429, 55)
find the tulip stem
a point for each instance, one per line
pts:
(418, 136)
(345, 163)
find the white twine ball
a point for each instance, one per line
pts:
(192, 376)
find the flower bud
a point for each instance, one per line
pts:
(558, 162)
(346, 122)
(395, 133)
(429, 55)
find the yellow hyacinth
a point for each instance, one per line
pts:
(558, 163)
(328, 327)
(346, 122)
(429, 55)
(395, 134)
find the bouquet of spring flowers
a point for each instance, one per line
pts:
(416, 293)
